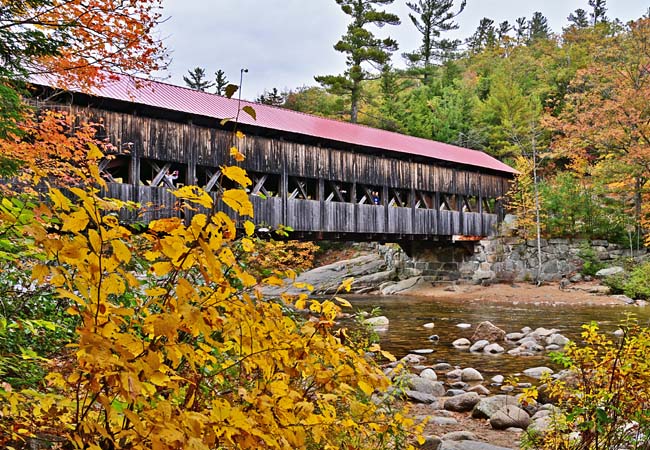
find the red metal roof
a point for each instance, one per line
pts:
(177, 98)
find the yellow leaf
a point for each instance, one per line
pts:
(247, 245)
(155, 291)
(343, 302)
(159, 379)
(346, 284)
(194, 194)
(237, 174)
(365, 387)
(249, 227)
(95, 240)
(39, 272)
(238, 200)
(60, 201)
(94, 152)
(239, 135)
(121, 251)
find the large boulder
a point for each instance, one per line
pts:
(462, 403)
(537, 372)
(609, 271)
(401, 286)
(426, 386)
(487, 407)
(510, 416)
(470, 374)
(489, 332)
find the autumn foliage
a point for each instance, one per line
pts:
(175, 346)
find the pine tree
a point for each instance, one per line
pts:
(220, 82)
(196, 79)
(599, 9)
(432, 17)
(521, 29)
(362, 48)
(484, 37)
(538, 27)
(272, 97)
(579, 18)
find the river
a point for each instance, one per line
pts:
(407, 316)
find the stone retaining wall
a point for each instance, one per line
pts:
(507, 259)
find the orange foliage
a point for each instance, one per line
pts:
(100, 36)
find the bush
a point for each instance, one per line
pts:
(638, 285)
(605, 401)
(590, 262)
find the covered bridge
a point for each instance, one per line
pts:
(324, 178)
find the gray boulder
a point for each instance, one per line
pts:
(373, 279)
(401, 286)
(479, 345)
(470, 374)
(470, 445)
(493, 349)
(487, 407)
(609, 271)
(462, 403)
(510, 416)
(377, 322)
(461, 343)
(537, 372)
(429, 374)
(425, 385)
(420, 397)
(431, 443)
(487, 331)
(557, 339)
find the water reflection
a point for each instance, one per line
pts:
(407, 316)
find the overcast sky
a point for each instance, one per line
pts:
(284, 43)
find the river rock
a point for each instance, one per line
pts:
(464, 326)
(557, 339)
(553, 348)
(487, 407)
(537, 372)
(400, 286)
(493, 349)
(463, 402)
(442, 421)
(420, 397)
(479, 345)
(456, 373)
(498, 379)
(609, 271)
(619, 333)
(429, 325)
(470, 445)
(542, 332)
(327, 279)
(434, 337)
(454, 392)
(624, 298)
(461, 343)
(423, 351)
(412, 359)
(429, 374)
(514, 336)
(431, 443)
(479, 389)
(459, 436)
(373, 280)
(442, 366)
(486, 330)
(425, 385)
(510, 416)
(470, 374)
(377, 322)
(458, 385)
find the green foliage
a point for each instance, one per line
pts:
(604, 402)
(638, 285)
(196, 79)
(591, 264)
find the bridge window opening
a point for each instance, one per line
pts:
(489, 205)
(368, 195)
(336, 191)
(163, 174)
(264, 184)
(399, 198)
(470, 203)
(448, 202)
(115, 169)
(303, 188)
(424, 200)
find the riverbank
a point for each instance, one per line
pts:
(591, 293)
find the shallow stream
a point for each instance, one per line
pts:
(407, 316)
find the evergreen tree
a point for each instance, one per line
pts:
(503, 30)
(272, 97)
(521, 29)
(220, 82)
(599, 9)
(579, 18)
(484, 37)
(538, 27)
(361, 48)
(432, 18)
(196, 79)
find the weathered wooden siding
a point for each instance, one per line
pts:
(191, 146)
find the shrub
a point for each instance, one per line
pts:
(638, 285)
(590, 262)
(605, 401)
